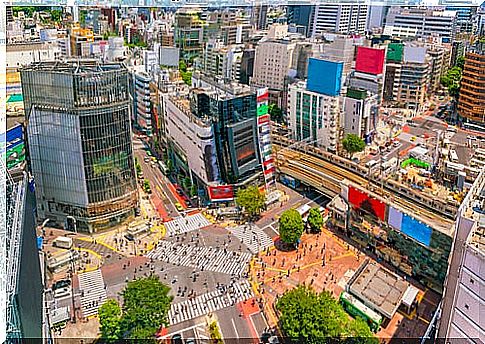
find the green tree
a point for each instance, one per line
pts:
(353, 144)
(308, 317)
(146, 186)
(315, 220)
(460, 62)
(137, 168)
(291, 226)
(251, 199)
(109, 321)
(145, 308)
(276, 114)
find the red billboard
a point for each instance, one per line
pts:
(362, 201)
(263, 119)
(221, 193)
(369, 60)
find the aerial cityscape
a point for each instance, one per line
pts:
(243, 172)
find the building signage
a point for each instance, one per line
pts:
(264, 138)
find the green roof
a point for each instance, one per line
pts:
(356, 93)
(394, 52)
(18, 97)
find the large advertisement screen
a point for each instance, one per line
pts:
(15, 146)
(369, 60)
(221, 193)
(395, 218)
(416, 229)
(362, 201)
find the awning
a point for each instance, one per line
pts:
(410, 296)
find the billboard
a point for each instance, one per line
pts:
(15, 146)
(362, 201)
(221, 193)
(394, 218)
(416, 229)
(369, 60)
(324, 76)
(394, 52)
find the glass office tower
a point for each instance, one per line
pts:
(79, 142)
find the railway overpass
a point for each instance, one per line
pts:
(325, 171)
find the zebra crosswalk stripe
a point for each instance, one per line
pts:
(209, 302)
(253, 237)
(93, 292)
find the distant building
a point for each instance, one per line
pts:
(301, 16)
(421, 23)
(142, 109)
(339, 18)
(83, 166)
(247, 65)
(258, 16)
(471, 103)
(81, 39)
(188, 32)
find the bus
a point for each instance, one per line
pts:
(304, 210)
(453, 156)
(357, 309)
(163, 167)
(63, 242)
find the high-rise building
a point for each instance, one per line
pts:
(368, 73)
(301, 15)
(471, 103)
(188, 32)
(258, 16)
(142, 109)
(421, 23)
(247, 65)
(414, 79)
(79, 142)
(339, 18)
(313, 116)
(222, 62)
(272, 61)
(461, 311)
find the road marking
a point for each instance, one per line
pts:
(234, 327)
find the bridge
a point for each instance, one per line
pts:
(325, 171)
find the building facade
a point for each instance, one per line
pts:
(79, 140)
(471, 103)
(142, 107)
(313, 116)
(339, 18)
(360, 113)
(461, 312)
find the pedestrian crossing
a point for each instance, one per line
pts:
(93, 293)
(209, 302)
(203, 258)
(184, 224)
(253, 237)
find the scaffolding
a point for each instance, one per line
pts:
(11, 241)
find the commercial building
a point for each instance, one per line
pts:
(188, 32)
(221, 61)
(471, 103)
(259, 16)
(313, 116)
(368, 73)
(81, 40)
(421, 23)
(461, 313)
(272, 61)
(360, 113)
(142, 108)
(79, 140)
(300, 15)
(339, 18)
(213, 136)
(20, 279)
(418, 245)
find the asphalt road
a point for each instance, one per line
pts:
(158, 181)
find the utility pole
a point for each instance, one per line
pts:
(72, 288)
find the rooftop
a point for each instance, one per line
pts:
(378, 288)
(75, 66)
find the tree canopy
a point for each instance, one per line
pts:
(276, 114)
(315, 220)
(109, 321)
(184, 73)
(145, 307)
(291, 226)
(452, 78)
(308, 317)
(353, 144)
(251, 199)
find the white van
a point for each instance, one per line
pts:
(371, 163)
(63, 242)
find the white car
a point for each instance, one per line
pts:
(62, 292)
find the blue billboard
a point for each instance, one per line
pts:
(324, 76)
(416, 229)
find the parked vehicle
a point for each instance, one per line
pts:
(63, 242)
